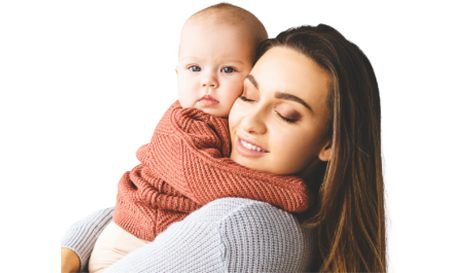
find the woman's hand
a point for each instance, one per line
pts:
(69, 261)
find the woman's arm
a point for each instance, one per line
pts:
(227, 235)
(80, 239)
(259, 237)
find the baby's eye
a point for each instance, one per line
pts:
(227, 69)
(195, 68)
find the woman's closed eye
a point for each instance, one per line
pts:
(243, 98)
(288, 120)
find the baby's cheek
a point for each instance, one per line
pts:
(184, 102)
(186, 98)
(236, 89)
(226, 110)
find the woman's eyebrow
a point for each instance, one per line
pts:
(287, 96)
(253, 81)
(280, 95)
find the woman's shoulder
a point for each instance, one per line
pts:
(224, 209)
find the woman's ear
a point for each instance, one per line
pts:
(176, 69)
(325, 153)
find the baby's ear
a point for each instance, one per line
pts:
(176, 69)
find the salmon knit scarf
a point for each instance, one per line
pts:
(186, 166)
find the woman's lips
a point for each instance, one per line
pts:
(252, 142)
(208, 100)
(246, 148)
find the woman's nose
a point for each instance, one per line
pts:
(254, 122)
(210, 80)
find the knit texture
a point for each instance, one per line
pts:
(82, 235)
(186, 166)
(226, 235)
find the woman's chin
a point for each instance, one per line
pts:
(249, 163)
(252, 163)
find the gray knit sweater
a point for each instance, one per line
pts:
(226, 235)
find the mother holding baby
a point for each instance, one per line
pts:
(309, 112)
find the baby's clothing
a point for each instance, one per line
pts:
(186, 166)
(111, 246)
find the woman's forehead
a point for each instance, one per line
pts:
(285, 70)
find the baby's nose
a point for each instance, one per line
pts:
(210, 80)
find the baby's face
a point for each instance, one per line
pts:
(213, 61)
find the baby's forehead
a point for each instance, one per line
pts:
(206, 28)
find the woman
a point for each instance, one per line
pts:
(311, 98)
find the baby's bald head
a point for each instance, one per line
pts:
(230, 15)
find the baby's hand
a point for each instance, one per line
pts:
(69, 261)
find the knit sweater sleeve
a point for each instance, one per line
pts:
(81, 236)
(227, 235)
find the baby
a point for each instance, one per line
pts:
(217, 51)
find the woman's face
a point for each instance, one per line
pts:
(278, 125)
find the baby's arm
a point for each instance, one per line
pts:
(81, 236)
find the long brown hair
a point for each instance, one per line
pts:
(350, 213)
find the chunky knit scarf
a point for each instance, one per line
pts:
(186, 166)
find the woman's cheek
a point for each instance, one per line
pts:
(233, 115)
(239, 112)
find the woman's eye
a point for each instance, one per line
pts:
(227, 70)
(285, 119)
(243, 98)
(195, 68)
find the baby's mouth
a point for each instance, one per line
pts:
(208, 100)
(207, 97)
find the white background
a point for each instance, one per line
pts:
(140, 12)
(30, 121)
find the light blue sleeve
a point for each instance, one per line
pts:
(81, 236)
(226, 235)
(259, 237)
